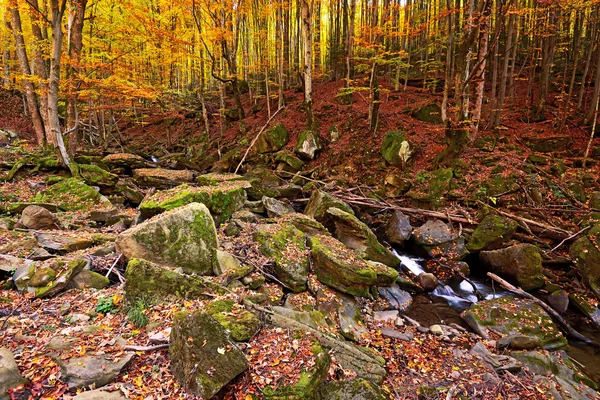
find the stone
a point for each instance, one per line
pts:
(276, 208)
(394, 334)
(427, 281)
(594, 201)
(397, 298)
(48, 278)
(430, 113)
(588, 306)
(99, 394)
(222, 199)
(559, 300)
(11, 264)
(288, 162)
(60, 243)
(519, 342)
(144, 280)
(87, 279)
(241, 324)
(226, 262)
(520, 263)
(341, 268)
(436, 330)
(306, 224)
(320, 202)
(272, 140)
(72, 195)
(385, 316)
(510, 315)
(216, 178)
(79, 372)
(96, 176)
(433, 187)
(286, 245)
(395, 148)
(39, 218)
(129, 191)
(585, 254)
(124, 160)
(308, 145)
(162, 178)
(351, 324)
(207, 362)
(185, 238)
(353, 389)
(437, 240)
(548, 144)
(9, 373)
(491, 233)
(496, 362)
(398, 228)
(357, 236)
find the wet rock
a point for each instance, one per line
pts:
(491, 233)
(585, 254)
(520, 263)
(509, 316)
(559, 300)
(357, 236)
(339, 267)
(9, 373)
(272, 140)
(185, 238)
(320, 202)
(397, 298)
(39, 218)
(276, 208)
(398, 228)
(287, 246)
(242, 325)
(427, 281)
(61, 243)
(395, 148)
(72, 195)
(80, 372)
(124, 160)
(308, 145)
(162, 178)
(354, 389)
(437, 240)
(96, 176)
(207, 362)
(144, 279)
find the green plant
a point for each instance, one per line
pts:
(70, 319)
(136, 314)
(106, 305)
(422, 176)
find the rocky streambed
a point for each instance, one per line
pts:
(139, 281)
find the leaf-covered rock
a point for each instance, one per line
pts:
(162, 178)
(72, 195)
(520, 263)
(241, 324)
(96, 176)
(491, 232)
(320, 202)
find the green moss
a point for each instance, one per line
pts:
(391, 145)
(272, 140)
(492, 231)
(96, 176)
(70, 195)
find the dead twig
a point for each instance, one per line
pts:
(569, 238)
(256, 138)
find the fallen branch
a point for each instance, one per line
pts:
(256, 138)
(147, 348)
(562, 322)
(569, 238)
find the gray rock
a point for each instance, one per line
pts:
(350, 319)
(276, 208)
(207, 362)
(185, 238)
(559, 300)
(99, 394)
(162, 178)
(320, 202)
(394, 334)
(397, 298)
(519, 342)
(353, 389)
(520, 263)
(498, 363)
(62, 243)
(398, 228)
(308, 145)
(39, 218)
(80, 372)
(10, 263)
(437, 240)
(427, 281)
(384, 316)
(226, 262)
(9, 373)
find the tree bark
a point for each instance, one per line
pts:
(307, 68)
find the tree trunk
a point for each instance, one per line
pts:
(592, 110)
(479, 72)
(75, 47)
(307, 68)
(279, 42)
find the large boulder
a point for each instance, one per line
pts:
(39, 218)
(438, 241)
(222, 199)
(162, 178)
(286, 245)
(9, 373)
(241, 324)
(203, 357)
(320, 202)
(276, 208)
(341, 268)
(491, 233)
(395, 148)
(146, 280)
(585, 253)
(87, 279)
(308, 145)
(511, 316)
(520, 263)
(72, 195)
(434, 186)
(353, 389)
(357, 236)
(548, 144)
(272, 140)
(185, 238)
(124, 160)
(398, 228)
(96, 176)
(97, 370)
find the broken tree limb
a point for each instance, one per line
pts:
(256, 138)
(569, 330)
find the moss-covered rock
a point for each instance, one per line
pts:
(310, 381)
(215, 178)
(72, 195)
(395, 148)
(87, 279)
(497, 184)
(308, 144)
(222, 199)
(288, 162)
(320, 201)
(520, 263)
(588, 306)
(129, 191)
(491, 232)
(510, 315)
(431, 113)
(433, 187)
(146, 280)
(547, 144)
(96, 176)
(240, 323)
(272, 140)
(353, 389)
(203, 357)
(124, 160)
(287, 246)
(306, 224)
(64, 269)
(162, 178)
(357, 236)
(341, 268)
(185, 237)
(437, 240)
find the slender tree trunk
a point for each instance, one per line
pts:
(307, 68)
(576, 44)
(596, 94)
(279, 43)
(510, 32)
(75, 48)
(479, 72)
(448, 73)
